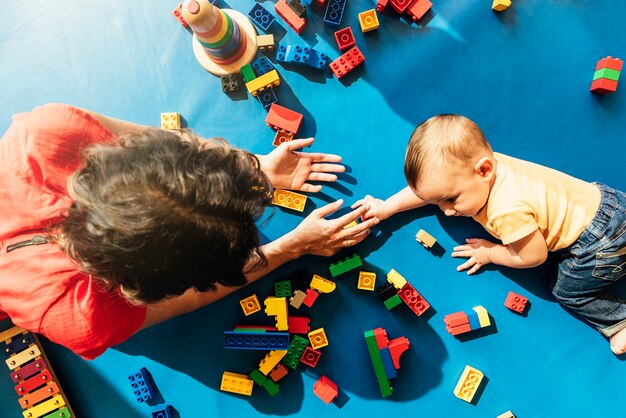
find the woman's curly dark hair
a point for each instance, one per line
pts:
(158, 213)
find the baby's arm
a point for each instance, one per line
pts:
(527, 252)
(405, 199)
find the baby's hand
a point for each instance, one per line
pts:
(378, 209)
(477, 250)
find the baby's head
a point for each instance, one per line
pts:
(449, 163)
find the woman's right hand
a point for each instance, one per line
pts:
(319, 236)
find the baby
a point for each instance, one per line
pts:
(531, 209)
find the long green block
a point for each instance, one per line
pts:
(377, 362)
(296, 349)
(606, 73)
(247, 73)
(393, 301)
(271, 387)
(258, 377)
(346, 265)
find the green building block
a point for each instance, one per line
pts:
(606, 73)
(296, 348)
(61, 413)
(282, 289)
(258, 377)
(393, 301)
(377, 362)
(247, 73)
(271, 387)
(346, 265)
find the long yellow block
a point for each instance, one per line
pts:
(396, 279)
(278, 307)
(267, 80)
(271, 360)
(236, 383)
(483, 316)
(322, 285)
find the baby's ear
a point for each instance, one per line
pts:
(485, 167)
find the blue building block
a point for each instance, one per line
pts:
(162, 411)
(317, 59)
(141, 384)
(473, 319)
(293, 54)
(267, 97)
(334, 12)
(256, 341)
(261, 16)
(390, 371)
(262, 65)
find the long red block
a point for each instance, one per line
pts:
(603, 86)
(418, 9)
(459, 329)
(456, 319)
(280, 117)
(299, 325)
(515, 302)
(413, 299)
(397, 346)
(347, 62)
(290, 17)
(381, 338)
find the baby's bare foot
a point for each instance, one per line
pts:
(618, 342)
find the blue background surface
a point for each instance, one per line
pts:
(522, 75)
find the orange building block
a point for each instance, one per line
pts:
(367, 281)
(318, 338)
(279, 372)
(325, 389)
(250, 305)
(290, 17)
(282, 136)
(418, 9)
(289, 200)
(279, 117)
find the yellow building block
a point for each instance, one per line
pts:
(500, 5)
(289, 200)
(351, 224)
(170, 120)
(278, 307)
(368, 20)
(507, 414)
(318, 338)
(396, 279)
(271, 360)
(250, 305)
(321, 284)
(483, 316)
(468, 384)
(236, 383)
(265, 42)
(367, 280)
(267, 80)
(425, 238)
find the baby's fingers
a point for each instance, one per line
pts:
(474, 269)
(469, 263)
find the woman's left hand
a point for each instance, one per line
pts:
(290, 169)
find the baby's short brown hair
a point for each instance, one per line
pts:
(442, 140)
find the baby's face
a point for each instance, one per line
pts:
(457, 192)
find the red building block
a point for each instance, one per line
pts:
(320, 2)
(603, 86)
(299, 325)
(381, 5)
(310, 298)
(280, 117)
(310, 357)
(397, 346)
(413, 299)
(610, 62)
(418, 9)
(515, 302)
(290, 17)
(282, 136)
(399, 5)
(456, 319)
(178, 14)
(347, 62)
(279, 372)
(461, 329)
(345, 38)
(325, 389)
(382, 341)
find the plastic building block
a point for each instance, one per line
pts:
(397, 346)
(399, 5)
(606, 73)
(282, 136)
(507, 414)
(325, 389)
(282, 289)
(425, 238)
(178, 14)
(280, 117)
(418, 9)
(165, 410)
(170, 120)
(322, 285)
(141, 385)
(367, 281)
(381, 5)
(472, 318)
(296, 349)
(318, 338)
(271, 387)
(310, 357)
(483, 316)
(279, 372)
(396, 279)
(254, 328)
(271, 360)
(297, 8)
(381, 338)
(347, 62)
(457, 323)
(468, 384)
(257, 377)
(344, 266)
(250, 305)
(289, 200)
(236, 383)
(310, 298)
(278, 307)
(368, 20)
(261, 66)
(231, 83)
(351, 224)
(516, 302)
(500, 5)
(393, 301)
(317, 59)
(377, 363)
(261, 16)
(265, 42)
(290, 17)
(611, 63)
(266, 97)
(293, 54)
(603, 86)
(297, 299)
(299, 325)
(266, 81)
(247, 73)
(413, 299)
(256, 341)
(345, 38)
(334, 12)
(387, 291)
(385, 356)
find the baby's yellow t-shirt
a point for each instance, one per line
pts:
(527, 196)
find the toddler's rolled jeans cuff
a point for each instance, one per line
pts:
(613, 329)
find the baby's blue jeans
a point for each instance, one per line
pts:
(595, 262)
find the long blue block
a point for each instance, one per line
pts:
(317, 59)
(390, 371)
(334, 12)
(256, 341)
(141, 384)
(261, 16)
(474, 322)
